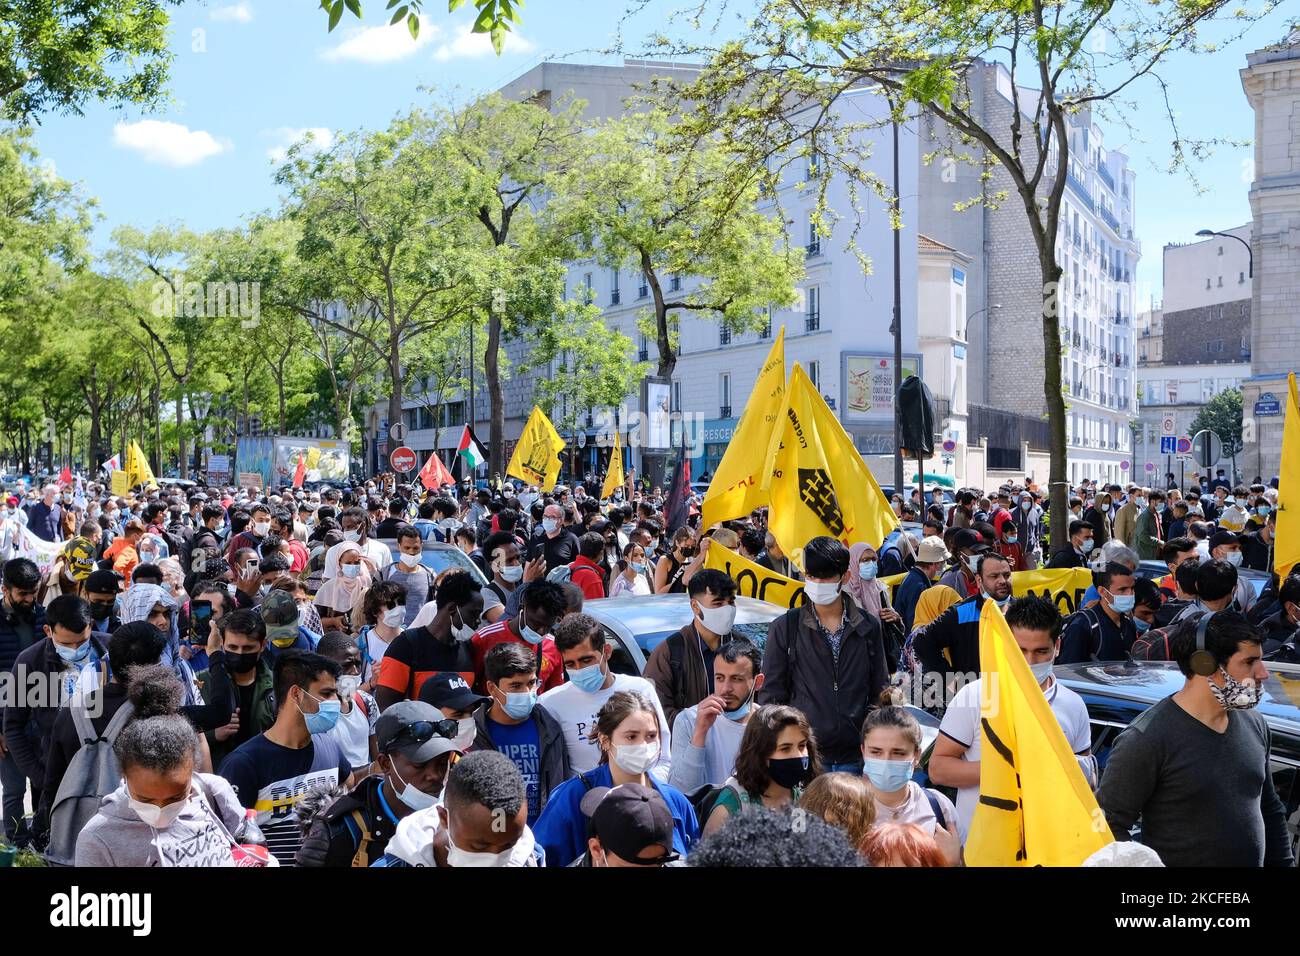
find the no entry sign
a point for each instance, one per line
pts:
(403, 460)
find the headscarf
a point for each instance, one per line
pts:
(138, 600)
(866, 593)
(340, 593)
(933, 602)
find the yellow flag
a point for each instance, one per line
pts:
(614, 476)
(1035, 807)
(1286, 547)
(536, 458)
(737, 485)
(816, 480)
(137, 467)
(754, 580)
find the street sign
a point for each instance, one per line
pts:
(1168, 445)
(1149, 467)
(1184, 445)
(1207, 448)
(950, 445)
(582, 439)
(1268, 406)
(398, 432)
(1168, 426)
(1124, 466)
(403, 460)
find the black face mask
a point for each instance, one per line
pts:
(241, 663)
(101, 609)
(790, 772)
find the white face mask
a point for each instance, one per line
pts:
(821, 593)
(458, 857)
(409, 560)
(351, 535)
(636, 758)
(160, 818)
(718, 620)
(262, 528)
(395, 617)
(549, 525)
(466, 733)
(348, 684)
(462, 632)
(413, 798)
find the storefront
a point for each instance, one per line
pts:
(711, 446)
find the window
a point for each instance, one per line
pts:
(643, 289)
(1207, 389)
(724, 336)
(815, 374)
(1172, 393)
(1207, 282)
(643, 348)
(814, 238)
(1241, 277)
(812, 317)
(675, 283)
(766, 331)
(724, 395)
(1220, 250)
(814, 163)
(591, 290)
(676, 397)
(1220, 282)
(614, 294)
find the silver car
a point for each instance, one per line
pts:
(439, 556)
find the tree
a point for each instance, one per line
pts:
(639, 202)
(1222, 415)
(55, 56)
(494, 16)
(802, 56)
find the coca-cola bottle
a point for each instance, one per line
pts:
(252, 849)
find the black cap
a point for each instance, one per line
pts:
(968, 540)
(1223, 537)
(104, 581)
(629, 818)
(404, 713)
(449, 689)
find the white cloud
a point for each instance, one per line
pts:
(381, 44)
(469, 45)
(321, 138)
(169, 144)
(235, 13)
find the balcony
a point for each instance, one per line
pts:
(813, 322)
(1109, 219)
(724, 336)
(1080, 189)
(1104, 175)
(814, 249)
(615, 297)
(724, 411)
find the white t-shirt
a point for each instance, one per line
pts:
(916, 809)
(353, 730)
(961, 723)
(576, 711)
(638, 586)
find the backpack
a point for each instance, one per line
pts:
(92, 774)
(1155, 644)
(560, 575)
(706, 797)
(1094, 627)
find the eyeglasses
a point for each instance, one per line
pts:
(421, 731)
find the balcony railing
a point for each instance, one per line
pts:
(1079, 188)
(724, 411)
(724, 336)
(1105, 176)
(1109, 219)
(615, 297)
(814, 249)
(813, 322)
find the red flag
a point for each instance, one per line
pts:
(434, 474)
(65, 476)
(300, 472)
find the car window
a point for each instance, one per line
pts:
(441, 559)
(1108, 718)
(620, 659)
(756, 633)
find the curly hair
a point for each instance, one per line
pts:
(456, 588)
(843, 800)
(762, 731)
(381, 594)
(772, 838)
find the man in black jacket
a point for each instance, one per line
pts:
(957, 630)
(1075, 553)
(1257, 546)
(827, 658)
(415, 746)
(62, 657)
(21, 621)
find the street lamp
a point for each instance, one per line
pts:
(971, 317)
(1250, 253)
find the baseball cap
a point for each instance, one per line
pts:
(968, 539)
(399, 730)
(452, 691)
(103, 581)
(931, 550)
(280, 614)
(629, 819)
(1223, 537)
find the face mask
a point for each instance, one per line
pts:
(1012, 539)
(739, 713)
(241, 663)
(101, 609)
(719, 620)
(1140, 502)
(458, 857)
(549, 525)
(519, 706)
(1026, 505)
(972, 563)
(1141, 625)
(413, 798)
(636, 758)
(395, 617)
(73, 655)
(351, 535)
(348, 684)
(1123, 603)
(1000, 603)
(512, 574)
(1042, 671)
(588, 679)
(350, 570)
(323, 721)
(1262, 511)
(159, 818)
(1087, 546)
(1160, 509)
(463, 632)
(1233, 558)
(789, 772)
(653, 545)
(638, 568)
(1235, 694)
(821, 593)
(867, 570)
(468, 730)
(409, 560)
(887, 776)
(528, 634)
(262, 528)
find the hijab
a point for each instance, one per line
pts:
(933, 602)
(340, 593)
(866, 593)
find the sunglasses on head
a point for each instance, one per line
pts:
(421, 731)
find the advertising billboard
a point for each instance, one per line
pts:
(276, 459)
(869, 385)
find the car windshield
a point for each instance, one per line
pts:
(440, 559)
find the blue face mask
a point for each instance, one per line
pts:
(1141, 625)
(323, 721)
(1262, 511)
(519, 706)
(73, 655)
(1123, 603)
(740, 712)
(1011, 540)
(588, 679)
(867, 570)
(528, 634)
(638, 568)
(887, 775)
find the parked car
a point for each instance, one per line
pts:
(438, 556)
(1115, 693)
(1155, 570)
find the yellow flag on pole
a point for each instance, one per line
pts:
(1286, 541)
(1035, 807)
(614, 476)
(815, 479)
(737, 485)
(137, 467)
(536, 458)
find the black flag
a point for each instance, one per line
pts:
(677, 507)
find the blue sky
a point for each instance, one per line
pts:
(259, 72)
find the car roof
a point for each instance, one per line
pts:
(1149, 682)
(660, 612)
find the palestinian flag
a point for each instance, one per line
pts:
(470, 451)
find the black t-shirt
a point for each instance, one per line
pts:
(244, 698)
(560, 550)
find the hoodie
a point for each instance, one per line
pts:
(201, 836)
(412, 844)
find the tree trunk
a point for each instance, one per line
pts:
(492, 372)
(1058, 484)
(667, 357)
(182, 459)
(394, 396)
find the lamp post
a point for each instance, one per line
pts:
(1250, 253)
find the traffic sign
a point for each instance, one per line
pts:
(1149, 467)
(1168, 445)
(1123, 466)
(1184, 445)
(403, 460)
(1207, 448)
(950, 445)
(1268, 405)
(398, 432)
(582, 439)
(1168, 426)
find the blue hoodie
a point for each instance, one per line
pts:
(562, 827)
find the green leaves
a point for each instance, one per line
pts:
(495, 17)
